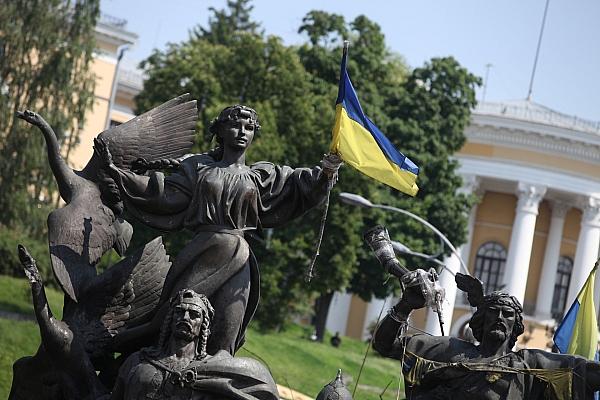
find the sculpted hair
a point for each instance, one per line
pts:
(228, 114)
(165, 331)
(498, 298)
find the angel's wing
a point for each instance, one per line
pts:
(124, 295)
(78, 235)
(165, 132)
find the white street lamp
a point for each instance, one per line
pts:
(359, 201)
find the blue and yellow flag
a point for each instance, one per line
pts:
(578, 331)
(361, 144)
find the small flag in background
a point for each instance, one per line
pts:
(578, 331)
(361, 144)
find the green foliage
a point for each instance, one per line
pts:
(18, 339)
(46, 49)
(308, 366)
(16, 296)
(424, 112)
(9, 239)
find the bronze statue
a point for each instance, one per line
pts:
(442, 367)
(218, 197)
(80, 344)
(97, 308)
(178, 366)
(90, 224)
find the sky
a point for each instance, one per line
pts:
(476, 32)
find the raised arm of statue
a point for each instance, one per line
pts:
(62, 172)
(386, 335)
(150, 193)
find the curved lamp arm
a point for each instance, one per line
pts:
(357, 200)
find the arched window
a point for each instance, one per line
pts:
(489, 265)
(561, 286)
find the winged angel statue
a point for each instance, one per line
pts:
(214, 194)
(98, 308)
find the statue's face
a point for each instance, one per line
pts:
(187, 321)
(238, 134)
(499, 321)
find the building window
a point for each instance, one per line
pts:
(489, 265)
(561, 287)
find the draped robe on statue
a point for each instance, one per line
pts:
(218, 204)
(218, 377)
(450, 368)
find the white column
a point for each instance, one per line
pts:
(521, 239)
(587, 247)
(374, 310)
(337, 317)
(543, 305)
(470, 185)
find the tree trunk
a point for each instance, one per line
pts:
(321, 312)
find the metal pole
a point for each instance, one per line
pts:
(113, 91)
(485, 83)
(433, 228)
(537, 52)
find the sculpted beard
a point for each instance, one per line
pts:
(183, 330)
(498, 332)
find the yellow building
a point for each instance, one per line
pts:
(536, 229)
(111, 38)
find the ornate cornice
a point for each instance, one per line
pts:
(574, 147)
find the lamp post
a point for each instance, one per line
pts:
(446, 280)
(113, 90)
(400, 248)
(359, 201)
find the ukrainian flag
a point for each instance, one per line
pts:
(361, 144)
(578, 331)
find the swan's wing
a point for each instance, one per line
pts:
(165, 132)
(78, 235)
(125, 295)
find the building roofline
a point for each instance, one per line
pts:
(533, 113)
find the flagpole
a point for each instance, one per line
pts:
(537, 52)
(330, 182)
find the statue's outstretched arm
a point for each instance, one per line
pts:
(55, 334)
(148, 193)
(62, 172)
(396, 321)
(387, 332)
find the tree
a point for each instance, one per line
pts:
(45, 52)
(378, 73)
(428, 116)
(424, 113)
(46, 48)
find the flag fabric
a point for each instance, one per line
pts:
(361, 144)
(578, 331)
